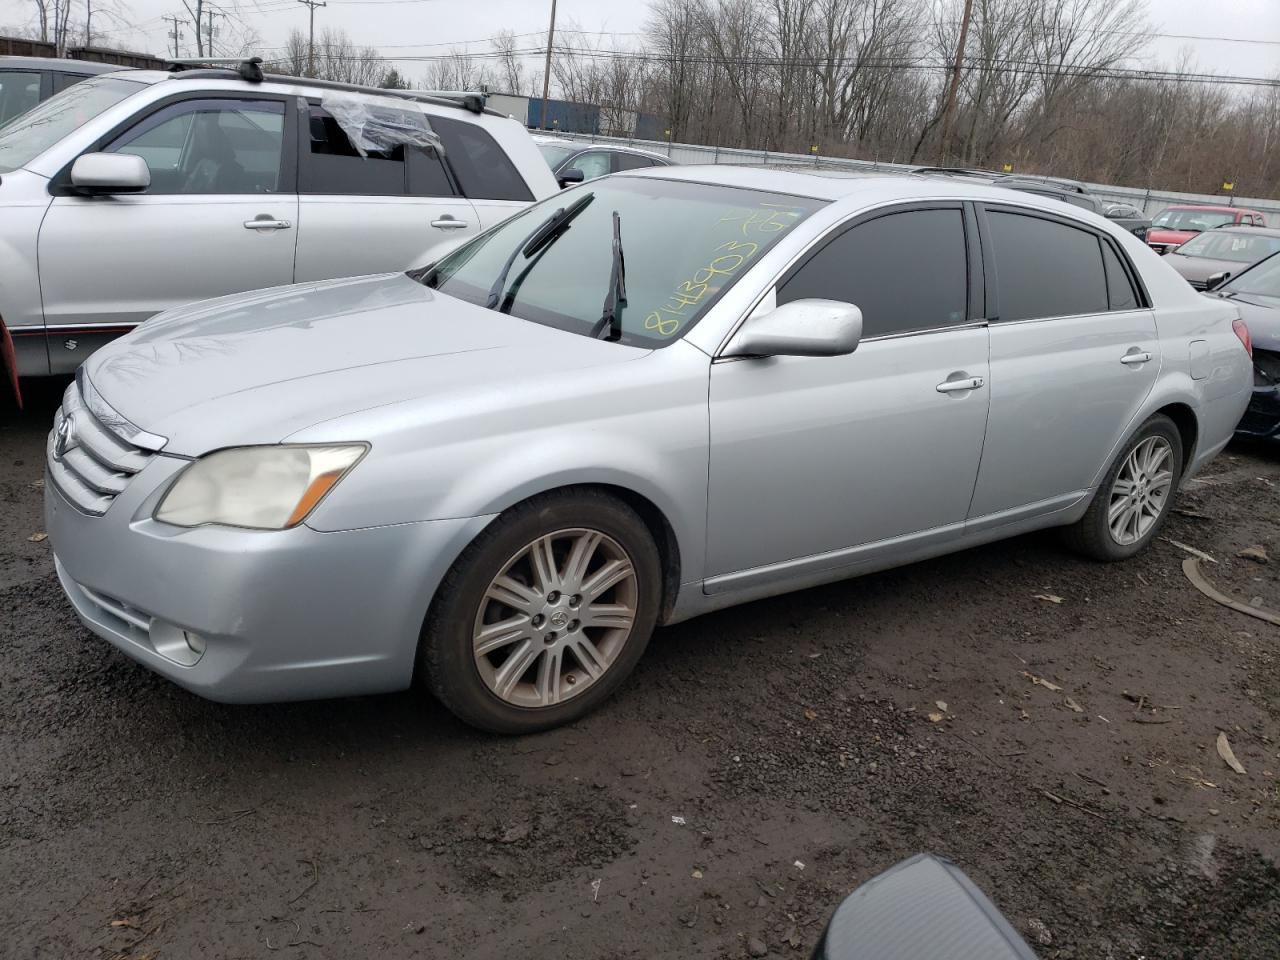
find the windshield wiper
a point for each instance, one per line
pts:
(547, 233)
(616, 298)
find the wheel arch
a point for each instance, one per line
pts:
(1184, 418)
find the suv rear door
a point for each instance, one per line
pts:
(218, 218)
(389, 210)
(1074, 352)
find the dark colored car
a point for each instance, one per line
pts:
(25, 81)
(1174, 226)
(1208, 259)
(1256, 292)
(1068, 191)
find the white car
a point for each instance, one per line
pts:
(133, 192)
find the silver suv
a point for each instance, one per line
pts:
(134, 192)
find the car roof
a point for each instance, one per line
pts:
(839, 185)
(86, 67)
(587, 145)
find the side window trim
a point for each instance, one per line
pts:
(60, 185)
(839, 230)
(1135, 279)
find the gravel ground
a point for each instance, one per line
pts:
(760, 764)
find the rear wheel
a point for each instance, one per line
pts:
(1135, 496)
(545, 614)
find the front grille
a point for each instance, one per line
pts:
(1266, 368)
(95, 463)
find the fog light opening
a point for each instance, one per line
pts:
(195, 643)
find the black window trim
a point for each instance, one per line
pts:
(973, 272)
(991, 268)
(60, 183)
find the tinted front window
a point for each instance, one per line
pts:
(684, 244)
(34, 132)
(1120, 290)
(210, 146)
(592, 164)
(1045, 268)
(1238, 247)
(905, 271)
(1260, 280)
(19, 92)
(555, 154)
(1192, 219)
(483, 170)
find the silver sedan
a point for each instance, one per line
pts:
(653, 396)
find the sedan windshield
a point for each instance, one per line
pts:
(681, 246)
(1191, 219)
(27, 136)
(555, 154)
(1260, 280)
(1239, 247)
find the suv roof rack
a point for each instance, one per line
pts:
(250, 70)
(953, 172)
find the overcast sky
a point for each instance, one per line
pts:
(415, 27)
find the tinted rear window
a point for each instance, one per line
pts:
(905, 271)
(483, 170)
(1045, 268)
(1119, 287)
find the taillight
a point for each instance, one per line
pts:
(1242, 331)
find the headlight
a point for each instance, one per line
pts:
(266, 488)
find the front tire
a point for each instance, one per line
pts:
(544, 614)
(1135, 497)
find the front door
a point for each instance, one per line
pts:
(218, 218)
(820, 463)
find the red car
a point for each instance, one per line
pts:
(1176, 225)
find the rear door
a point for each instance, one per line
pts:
(1074, 352)
(483, 170)
(218, 218)
(380, 212)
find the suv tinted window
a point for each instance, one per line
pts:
(1119, 287)
(210, 146)
(905, 271)
(484, 172)
(19, 92)
(1045, 268)
(630, 161)
(336, 167)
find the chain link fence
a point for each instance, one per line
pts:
(1150, 202)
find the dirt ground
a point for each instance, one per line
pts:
(760, 764)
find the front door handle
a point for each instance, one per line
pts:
(954, 386)
(264, 221)
(449, 222)
(1131, 358)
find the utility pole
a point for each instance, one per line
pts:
(212, 13)
(311, 34)
(546, 73)
(176, 33)
(944, 151)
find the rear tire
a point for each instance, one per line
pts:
(1136, 494)
(544, 614)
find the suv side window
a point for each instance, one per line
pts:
(216, 146)
(19, 92)
(336, 167)
(1120, 290)
(483, 170)
(906, 271)
(1045, 268)
(630, 161)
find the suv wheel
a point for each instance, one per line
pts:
(544, 614)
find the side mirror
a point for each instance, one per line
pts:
(910, 909)
(802, 328)
(572, 175)
(107, 173)
(1217, 279)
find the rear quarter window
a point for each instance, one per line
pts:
(481, 166)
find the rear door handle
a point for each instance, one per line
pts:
(264, 221)
(448, 222)
(1132, 358)
(955, 386)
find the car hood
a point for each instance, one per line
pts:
(255, 368)
(1200, 269)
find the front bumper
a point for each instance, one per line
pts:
(273, 615)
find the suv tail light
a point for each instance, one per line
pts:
(1242, 331)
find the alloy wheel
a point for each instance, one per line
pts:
(1140, 491)
(555, 617)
